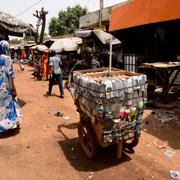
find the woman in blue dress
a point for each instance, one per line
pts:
(10, 113)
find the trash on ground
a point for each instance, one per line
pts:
(169, 118)
(169, 153)
(91, 175)
(59, 114)
(175, 174)
(66, 117)
(148, 145)
(161, 146)
(166, 118)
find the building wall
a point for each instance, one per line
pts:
(92, 19)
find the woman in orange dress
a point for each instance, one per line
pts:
(45, 66)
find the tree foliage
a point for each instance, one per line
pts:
(67, 21)
(15, 41)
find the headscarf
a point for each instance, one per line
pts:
(4, 47)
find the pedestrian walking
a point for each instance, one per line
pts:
(22, 56)
(37, 65)
(55, 64)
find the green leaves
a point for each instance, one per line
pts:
(67, 21)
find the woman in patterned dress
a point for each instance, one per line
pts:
(10, 113)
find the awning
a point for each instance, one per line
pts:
(10, 25)
(104, 37)
(39, 47)
(49, 42)
(141, 12)
(64, 44)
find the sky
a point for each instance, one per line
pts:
(17, 7)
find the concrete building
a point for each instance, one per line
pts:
(91, 20)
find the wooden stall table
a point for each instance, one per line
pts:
(164, 71)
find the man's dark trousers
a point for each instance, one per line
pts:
(58, 78)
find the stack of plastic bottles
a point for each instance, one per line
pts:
(117, 100)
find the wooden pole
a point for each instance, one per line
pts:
(119, 149)
(100, 13)
(110, 58)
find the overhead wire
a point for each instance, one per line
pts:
(22, 12)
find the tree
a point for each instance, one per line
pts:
(15, 41)
(41, 16)
(28, 38)
(67, 21)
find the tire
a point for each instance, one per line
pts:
(87, 140)
(134, 142)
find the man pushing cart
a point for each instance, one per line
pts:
(110, 102)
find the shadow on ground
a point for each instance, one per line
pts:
(52, 95)
(68, 126)
(106, 156)
(75, 155)
(9, 133)
(168, 101)
(21, 102)
(30, 70)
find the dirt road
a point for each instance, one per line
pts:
(47, 147)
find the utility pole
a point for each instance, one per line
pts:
(100, 13)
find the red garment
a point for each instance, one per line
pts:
(22, 56)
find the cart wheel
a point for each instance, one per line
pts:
(134, 142)
(87, 139)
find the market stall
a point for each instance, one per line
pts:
(166, 72)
